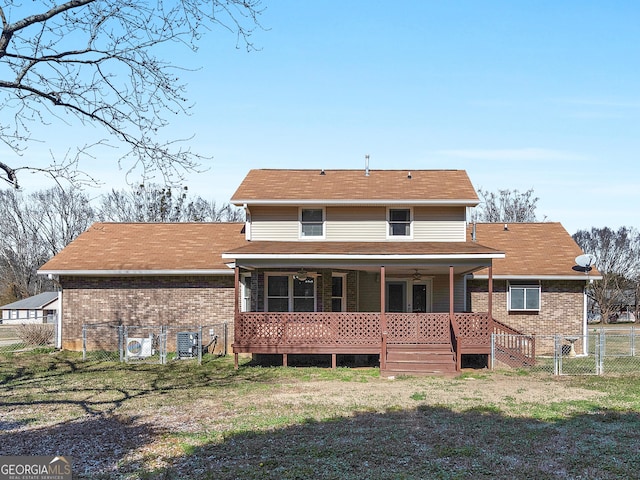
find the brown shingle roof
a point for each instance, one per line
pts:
(361, 248)
(532, 249)
(148, 247)
(264, 186)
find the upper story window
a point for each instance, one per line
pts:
(399, 222)
(312, 222)
(524, 297)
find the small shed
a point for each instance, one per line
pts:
(41, 308)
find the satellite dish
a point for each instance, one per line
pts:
(585, 262)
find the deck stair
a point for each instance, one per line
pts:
(420, 359)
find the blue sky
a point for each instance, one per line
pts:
(540, 95)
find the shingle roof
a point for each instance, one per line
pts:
(362, 248)
(32, 303)
(532, 249)
(352, 186)
(118, 247)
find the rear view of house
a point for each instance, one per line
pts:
(382, 263)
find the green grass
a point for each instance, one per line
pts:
(183, 420)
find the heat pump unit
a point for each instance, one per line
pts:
(139, 347)
(187, 343)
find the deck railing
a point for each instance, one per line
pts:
(307, 328)
(418, 328)
(356, 328)
(513, 348)
(358, 332)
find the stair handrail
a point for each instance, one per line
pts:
(525, 349)
(455, 340)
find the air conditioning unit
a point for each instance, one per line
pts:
(139, 347)
(187, 344)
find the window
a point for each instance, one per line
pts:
(399, 222)
(311, 222)
(524, 297)
(278, 293)
(337, 293)
(246, 293)
(285, 293)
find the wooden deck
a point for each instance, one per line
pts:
(406, 342)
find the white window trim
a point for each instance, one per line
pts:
(291, 276)
(344, 289)
(524, 285)
(324, 224)
(243, 293)
(411, 226)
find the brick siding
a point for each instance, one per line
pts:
(148, 300)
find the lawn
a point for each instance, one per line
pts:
(210, 421)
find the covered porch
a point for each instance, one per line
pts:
(409, 311)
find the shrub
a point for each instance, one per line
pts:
(35, 333)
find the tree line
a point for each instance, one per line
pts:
(37, 226)
(616, 252)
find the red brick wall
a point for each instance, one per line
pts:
(561, 309)
(145, 300)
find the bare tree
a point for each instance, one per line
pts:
(617, 256)
(34, 228)
(507, 206)
(95, 61)
(154, 203)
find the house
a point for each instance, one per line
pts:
(336, 263)
(41, 308)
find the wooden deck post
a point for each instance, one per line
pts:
(236, 307)
(451, 289)
(383, 320)
(490, 301)
(452, 318)
(490, 308)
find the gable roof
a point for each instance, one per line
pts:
(148, 248)
(35, 302)
(443, 187)
(533, 250)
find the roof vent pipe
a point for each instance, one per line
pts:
(366, 165)
(409, 175)
(506, 227)
(322, 172)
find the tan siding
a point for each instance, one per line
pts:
(356, 223)
(439, 214)
(368, 292)
(441, 294)
(439, 224)
(439, 231)
(274, 223)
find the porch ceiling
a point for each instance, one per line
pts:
(400, 258)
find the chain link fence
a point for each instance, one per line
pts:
(154, 343)
(20, 337)
(601, 351)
